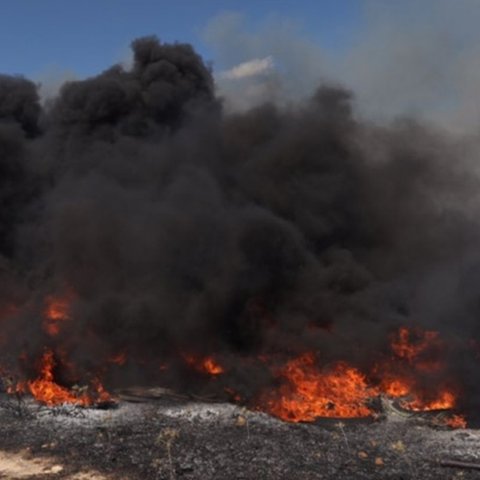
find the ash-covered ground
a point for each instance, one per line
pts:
(172, 438)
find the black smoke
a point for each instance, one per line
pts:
(182, 228)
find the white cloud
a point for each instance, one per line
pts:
(255, 67)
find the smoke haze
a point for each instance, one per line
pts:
(403, 58)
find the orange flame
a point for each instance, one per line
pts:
(209, 365)
(418, 348)
(102, 396)
(456, 421)
(395, 387)
(308, 392)
(45, 390)
(422, 350)
(206, 365)
(342, 391)
(445, 400)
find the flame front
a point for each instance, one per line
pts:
(307, 391)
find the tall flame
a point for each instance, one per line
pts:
(45, 390)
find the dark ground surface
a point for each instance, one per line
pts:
(222, 441)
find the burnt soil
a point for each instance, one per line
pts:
(224, 441)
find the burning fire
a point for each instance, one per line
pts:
(342, 391)
(444, 401)
(403, 347)
(45, 390)
(456, 421)
(206, 365)
(419, 348)
(209, 365)
(307, 391)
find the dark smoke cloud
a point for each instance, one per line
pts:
(180, 228)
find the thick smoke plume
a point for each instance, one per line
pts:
(176, 228)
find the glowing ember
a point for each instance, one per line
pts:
(210, 366)
(405, 348)
(419, 348)
(206, 365)
(102, 396)
(16, 388)
(57, 310)
(341, 391)
(118, 359)
(456, 421)
(233, 394)
(445, 400)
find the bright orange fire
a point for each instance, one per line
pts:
(444, 401)
(45, 390)
(308, 391)
(210, 366)
(341, 391)
(395, 387)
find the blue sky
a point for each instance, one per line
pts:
(88, 36)
(399, 56)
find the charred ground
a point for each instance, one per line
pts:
(222, 441)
